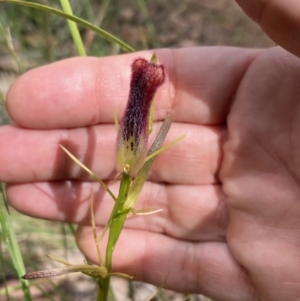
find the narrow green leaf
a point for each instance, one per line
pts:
(73, 28)
(164, 148)
(10, 46)
(10, 238)
(95, 232)
(89, 172)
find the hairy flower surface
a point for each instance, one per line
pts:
(133, 132)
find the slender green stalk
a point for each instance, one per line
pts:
(2, 271)
(89, 172)
(9, 236)
(8, 41)
(111, 294)
(73, 28)
(47, 32)
(131, 293)
(117, 219)
(97, 18)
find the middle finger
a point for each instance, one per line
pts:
(195, 160)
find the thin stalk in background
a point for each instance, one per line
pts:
(149, 25)
(73, 28)
(46, 28)
(2, 270)
(9, 236)
(98, 18)
(8, 40)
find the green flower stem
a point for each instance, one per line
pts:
(118, 217)
(128, 194)
(116, 222)
(73, 28)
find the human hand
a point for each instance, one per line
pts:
(229, 190)
(279, 19)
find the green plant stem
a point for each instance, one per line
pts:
(3, 275)
(117, 219)
(10, 47)
(73, 28)
(9, 236)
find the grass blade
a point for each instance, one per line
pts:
(89, 172)
(9, 236)
(8, 41)
(73, 28)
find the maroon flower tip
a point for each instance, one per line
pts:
(133, 134)
(150, 74)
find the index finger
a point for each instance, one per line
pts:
(80, 92)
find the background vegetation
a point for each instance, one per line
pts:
(39, 38)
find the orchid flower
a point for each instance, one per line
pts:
(133, 134)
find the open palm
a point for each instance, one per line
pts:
(230, 225)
